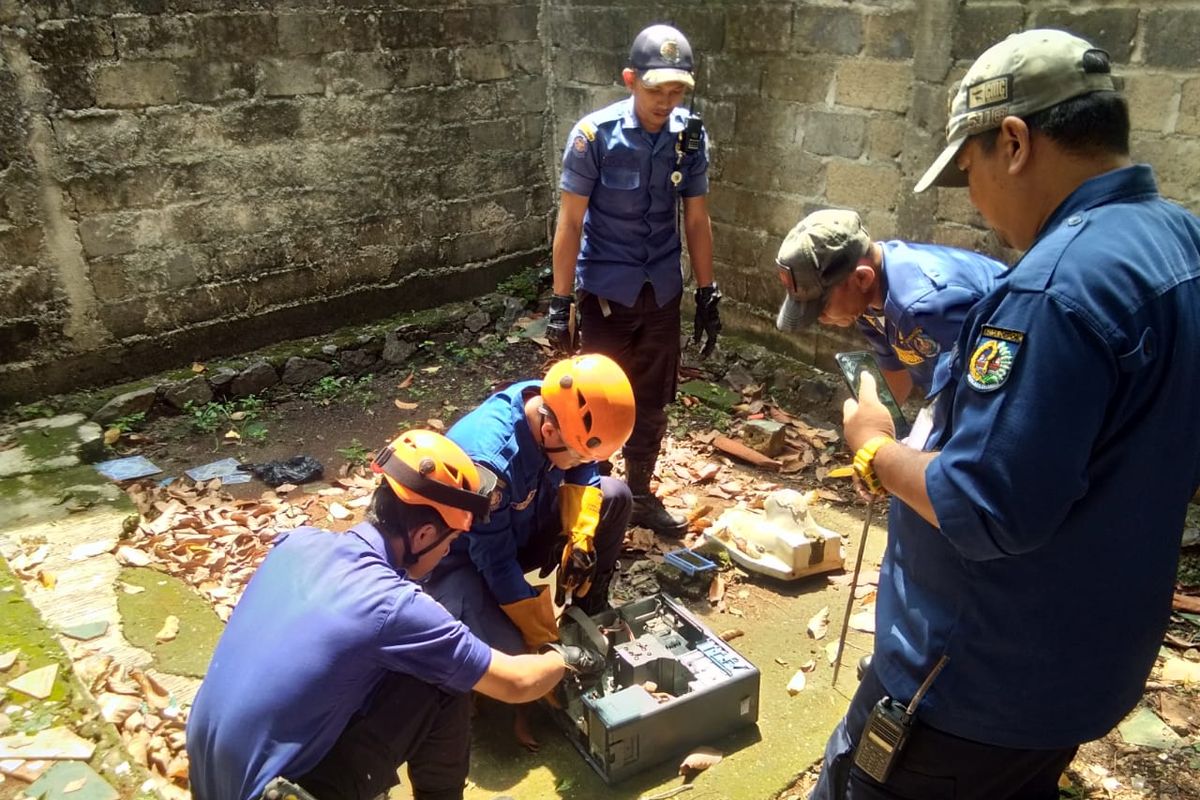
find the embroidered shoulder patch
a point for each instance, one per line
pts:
(579, 146)
(496, 498)
(992, 359)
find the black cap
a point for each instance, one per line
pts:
(661, 54)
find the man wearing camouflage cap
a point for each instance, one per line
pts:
(907, 299)
(626, 171)
(1033, 540)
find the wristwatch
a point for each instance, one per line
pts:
(864, 463)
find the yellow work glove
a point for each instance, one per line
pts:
(534, 618)
(579, 510)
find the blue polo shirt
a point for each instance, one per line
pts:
(927, 291)
(323, 620)
(1070, 445)
(630, 230)
(497, 435)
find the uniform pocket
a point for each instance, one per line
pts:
(1142, 354)
(620, 177)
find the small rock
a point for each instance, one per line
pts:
(513, 308)
(766, 436)
(297, 371)
(194, 390)
(254, 379)
(357, 362)
(476, 321)
(138, 401)
(738, 377)
(330, 349)
(397, 350)
(220, 379)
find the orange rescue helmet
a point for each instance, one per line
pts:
(592, 403)
(425, 468)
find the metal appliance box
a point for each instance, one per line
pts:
(702, 688)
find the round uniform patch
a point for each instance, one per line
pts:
(990, 365)
(670, 50)
(909, 358)
(924, 344)
(579, 145)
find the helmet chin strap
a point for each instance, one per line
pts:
(541, 438)
(411, 557)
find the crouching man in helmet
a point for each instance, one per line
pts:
(549, 508)
(336, 668)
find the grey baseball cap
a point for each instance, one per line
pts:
(818, 254)
(661, 54)
(1027, 72)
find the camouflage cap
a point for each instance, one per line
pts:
(661, 54)
(817, 255)
(1027, 72)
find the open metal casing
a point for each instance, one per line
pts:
(620, 727)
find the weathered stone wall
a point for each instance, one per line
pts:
(183, 178)
(844, 103)
(186, 178)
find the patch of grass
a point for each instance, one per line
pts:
(129, 422)
(697, 418)
(526, 284)
(335, 387)
(356, 454)
(242, 416)
(27, 411)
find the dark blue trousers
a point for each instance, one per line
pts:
(407, 721)
(935, 765)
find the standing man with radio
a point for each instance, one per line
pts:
(907, 299)
(1068, 422)
(627, 169)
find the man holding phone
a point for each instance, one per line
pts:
(907, 299)
(1067, 426)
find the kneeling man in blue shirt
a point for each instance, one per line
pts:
(336, 668)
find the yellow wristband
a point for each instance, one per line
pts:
(864, 463)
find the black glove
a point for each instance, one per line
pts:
(558, 323)
(708, 318)
(580, 660)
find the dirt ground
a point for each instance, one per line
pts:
(342, 424)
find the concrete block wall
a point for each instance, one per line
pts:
(187, 178)
(183, 178)
(833, 103)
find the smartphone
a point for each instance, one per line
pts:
(853, 365)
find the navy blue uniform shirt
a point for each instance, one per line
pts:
(630, 230)
(927, 291)
(323, 620)
(1070, 446)
(497, 435)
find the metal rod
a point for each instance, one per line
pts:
(862, 548)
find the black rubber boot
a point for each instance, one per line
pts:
(648, 510)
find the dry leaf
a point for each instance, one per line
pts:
(699, 760)
(430, 370)
(796, 685)
(808, 666)
(716, 589)
(404, 405)
(818, 626)
(232, 434)
(169, 629)
(407, 382)
(75, 785)
(339, 511)
(436, 424)
(47, 579)
(132, 557)
(731, 634)
(284, 488)
(111, 436)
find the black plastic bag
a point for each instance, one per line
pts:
(298, 469)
